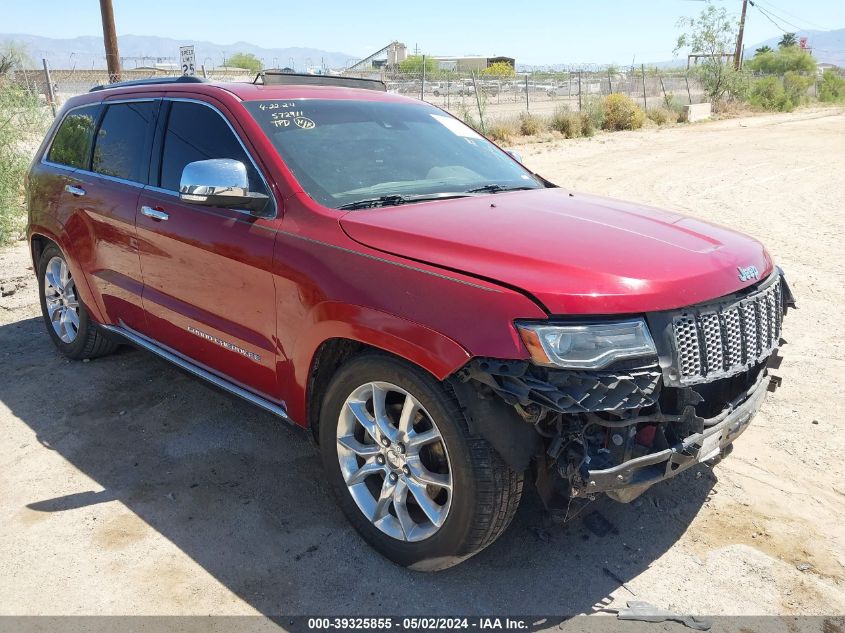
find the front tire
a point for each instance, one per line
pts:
(66, 317)
(410, 476)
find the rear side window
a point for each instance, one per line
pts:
(120, 146)
(196, 132)
(72, 142)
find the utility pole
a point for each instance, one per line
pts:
(739, 46)
(110, 41)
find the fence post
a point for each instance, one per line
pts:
(204, 74)
(645, 102)
(663, 88)
(51, 98)
(579, 91)
(422, 84)
(448, 81)
(478, 103)
(689, 94)
(609, 81)
(526, 93)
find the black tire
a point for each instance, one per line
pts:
(485, 492)
(90, 340)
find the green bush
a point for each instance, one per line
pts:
(831, 87)
(593, 110)
(22, 122)
(782, 61)
(768, 93)
(621, 113)
(529, 124)
(588, 128)
(566, 122)
(796, 85)
(662, 116)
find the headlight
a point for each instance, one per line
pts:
(590, 346)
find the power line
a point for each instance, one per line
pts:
(768, 17)
(770, 7)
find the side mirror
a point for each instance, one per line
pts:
(515, 155)
(219, 182)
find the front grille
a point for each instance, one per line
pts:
(721, 340)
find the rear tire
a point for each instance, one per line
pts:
(431, 493)
(68, 323)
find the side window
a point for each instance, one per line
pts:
(196, 132)
(119, 149)
(72, 142)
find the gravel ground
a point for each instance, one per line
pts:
(127, 487)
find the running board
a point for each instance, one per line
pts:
(136, 338)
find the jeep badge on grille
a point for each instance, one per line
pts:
(747, 273)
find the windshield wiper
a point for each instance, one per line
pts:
(395, 199)
(494, 188)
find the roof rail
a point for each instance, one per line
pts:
(184, 79)
(277, 78)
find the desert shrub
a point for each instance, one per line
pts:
(566, 122)
(662, 116)
(588, 128)
(529, 124)
(22, 122)
(592, 108)
(831, 87)
(503, 130)
(768, 93)
(621, 113)
(796, 85)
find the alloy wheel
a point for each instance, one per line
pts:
(394, 461)
(61, 300)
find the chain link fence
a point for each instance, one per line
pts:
(538, 92)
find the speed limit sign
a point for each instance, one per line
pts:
(186, 54)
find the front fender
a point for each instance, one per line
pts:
(416, 343)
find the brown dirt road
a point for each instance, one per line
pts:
(128, 487)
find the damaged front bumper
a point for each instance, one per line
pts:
(630, 479)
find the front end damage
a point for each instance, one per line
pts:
(623, 428)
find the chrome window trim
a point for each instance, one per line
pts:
(217, 110)
(106, 102)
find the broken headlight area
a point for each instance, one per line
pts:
(617, 430)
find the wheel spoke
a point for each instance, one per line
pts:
(64, 274)
(417, 440)
(406, 418)
(359, 448)
(426, 503)
(73, 319)
(359, 410)
(382, 421)
(424, 476)
(400, 497)
(369, 468)
(385, 499)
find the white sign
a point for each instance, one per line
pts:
(186, 54)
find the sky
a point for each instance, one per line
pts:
(562, 32)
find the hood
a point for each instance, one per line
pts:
(574, 253)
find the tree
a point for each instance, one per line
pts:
(244, 60)
(499, 69)
(712, 35)
(414, 64)
(12, 55)
(762, 50)
(783, 60)
(787, 40)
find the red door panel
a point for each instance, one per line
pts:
(209, 293)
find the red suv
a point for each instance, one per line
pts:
(446, 322)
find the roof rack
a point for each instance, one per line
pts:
(278, 78)
(184, 79)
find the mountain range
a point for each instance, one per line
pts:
(827, 46)
(146, 50)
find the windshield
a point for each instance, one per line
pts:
(344, 151)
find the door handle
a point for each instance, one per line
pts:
(74, 190)
(155, 214)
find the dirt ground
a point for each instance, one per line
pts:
(127, 487)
